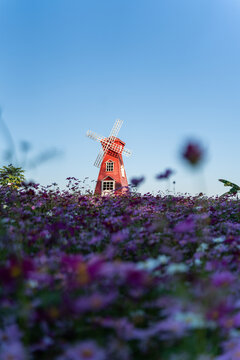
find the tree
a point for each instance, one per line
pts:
(11, 176)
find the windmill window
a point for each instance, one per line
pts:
(108, 185)
(109, 166)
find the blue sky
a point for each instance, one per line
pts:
(168, 68)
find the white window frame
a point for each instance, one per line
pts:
(108, 191)
(108, 163)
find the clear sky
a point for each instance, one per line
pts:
(169, 68)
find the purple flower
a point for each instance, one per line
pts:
(136, 278)
(94, 302)
(231, 350)
(172, 326)
(236, 320)
(86, 350)
(222, 278)
(119, 236)
(164, 175)
(11, 333)
(137, 181)
(185, 226)
(12, 351)
(69, 263)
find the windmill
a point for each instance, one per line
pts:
(112, 175)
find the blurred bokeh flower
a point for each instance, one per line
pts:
(137, 181)
(165, 175)
(84, 350)
(193, 153)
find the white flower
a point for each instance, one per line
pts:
(197, 262)
(32, 284)
(202, 247)
(219, 239)
(177, 268)
(191, 319)
(151, 264)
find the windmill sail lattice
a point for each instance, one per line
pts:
(110, 140)
(118, 148)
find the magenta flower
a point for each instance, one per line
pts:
(193, 153)
(137, 278)
(69, 263)
(94, 266)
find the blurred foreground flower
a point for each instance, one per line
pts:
(137, 181)
(231, 350)
(165, 175)
(193, 153)
(84, 350)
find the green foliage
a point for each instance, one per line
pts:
(11, 176)
(234, 188)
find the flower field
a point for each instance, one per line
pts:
(118, 278)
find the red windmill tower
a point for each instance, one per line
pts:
(112, 176)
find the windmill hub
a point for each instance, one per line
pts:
(115, 148)
(112, 176)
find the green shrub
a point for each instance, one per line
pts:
(11, 176)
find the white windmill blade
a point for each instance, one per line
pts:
(102, 152)
(116, 128)
(108, 142)
(94, 136)
(99, 158)
(127, 152)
